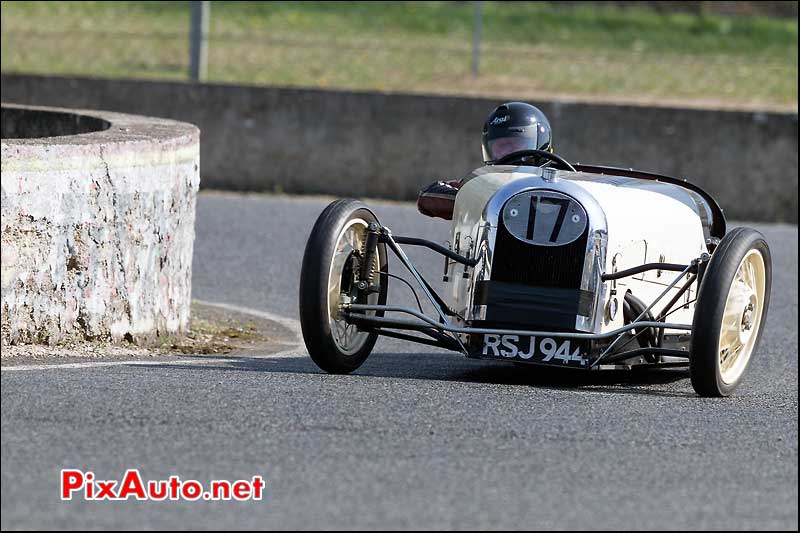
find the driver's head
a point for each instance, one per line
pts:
(513, 127)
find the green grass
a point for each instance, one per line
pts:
(530, 49)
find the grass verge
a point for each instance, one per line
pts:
(529, 48)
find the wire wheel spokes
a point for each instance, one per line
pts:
(741, 319)
(344, 333)
(341, 283)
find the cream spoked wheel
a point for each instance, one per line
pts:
(741, 319)
(342, 288)
(332, 275)
(730, 312)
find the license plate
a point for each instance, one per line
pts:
(547, 350)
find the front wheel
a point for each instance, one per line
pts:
(328, 279)
(730, 312)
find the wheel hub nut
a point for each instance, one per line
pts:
(747, 317)
(746, 327)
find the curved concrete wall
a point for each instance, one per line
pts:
(33, 123)
(97, 226)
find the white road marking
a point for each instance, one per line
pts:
(91, 364)
(294, 347)
(289, 323)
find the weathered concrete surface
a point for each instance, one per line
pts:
(390, 145)
(97, 227)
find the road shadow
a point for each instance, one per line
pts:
(455, 368)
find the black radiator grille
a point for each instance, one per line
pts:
(516, 261)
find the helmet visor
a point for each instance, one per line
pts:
(502, 146)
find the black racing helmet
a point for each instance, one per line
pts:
(515, 126)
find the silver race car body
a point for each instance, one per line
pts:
(543, 239)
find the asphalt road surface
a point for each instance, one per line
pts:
(417, 438)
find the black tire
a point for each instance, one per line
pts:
(705, 366)
(315, 320)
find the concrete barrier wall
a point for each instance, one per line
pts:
(97, 227)
(390, 145)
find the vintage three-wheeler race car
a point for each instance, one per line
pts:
(579, 266)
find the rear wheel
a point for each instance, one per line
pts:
(730, 312)
(328, 279)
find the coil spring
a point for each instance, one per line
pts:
(370, 271)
